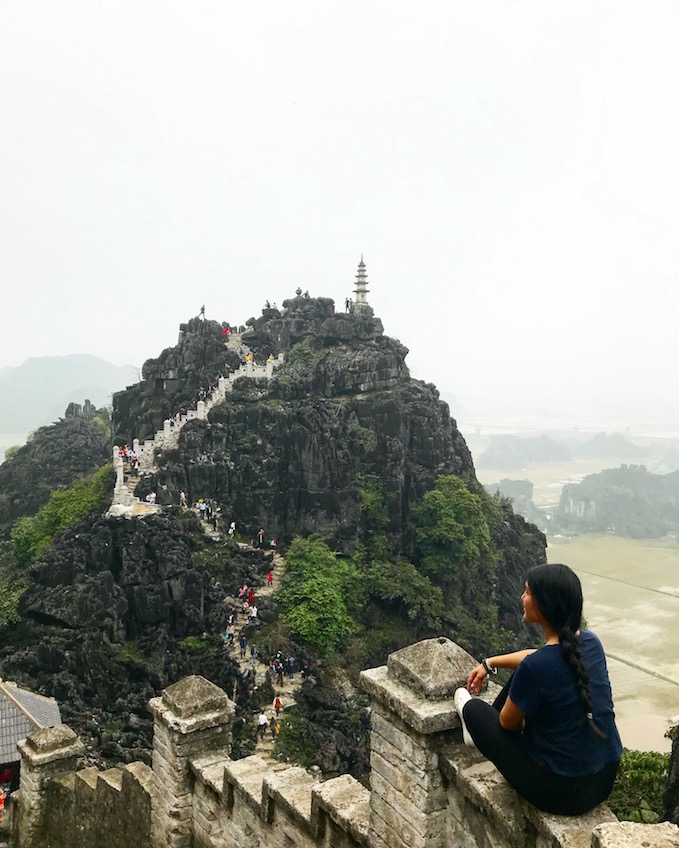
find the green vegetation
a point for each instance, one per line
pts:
(130, 652)
(31, 535)
(14, 583)
(301, 354)
(11, 451)
(103, 421)
(194, 644)
(360, 436)
(317, 590)
(372, 543)
(401, 587)
(628, 500)
(453, 532)
(637, 794)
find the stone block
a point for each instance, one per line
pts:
(51, 745)
(427, 794)
(632, 835)
(566, 831)
(194, 697)
(433, 668)
(412, 748)
(291, 790)
(417, 712)
(404, 809)
(209, 770)
(477, 780)
(347, 803)
(246, 779)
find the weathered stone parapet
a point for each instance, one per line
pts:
(340, 811)
(192, 717)
(46, 754)
(427, 789)
(483, 810)
(631, 835)
(412, 718)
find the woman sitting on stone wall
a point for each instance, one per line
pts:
(551, 731)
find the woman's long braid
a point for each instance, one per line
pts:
(570, 650)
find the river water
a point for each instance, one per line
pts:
(631, 590)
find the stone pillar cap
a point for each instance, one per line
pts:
(50, 743)
(48, 739)
(192, 696)
(419, 682)
(193, 703)
(434, 668)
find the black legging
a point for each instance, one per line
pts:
(538, 784)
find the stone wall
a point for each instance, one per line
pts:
(426, 789)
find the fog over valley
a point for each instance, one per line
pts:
(511, 185)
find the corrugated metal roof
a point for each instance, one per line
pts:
(21, 712)
(44, 710)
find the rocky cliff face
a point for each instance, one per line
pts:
(172, 380)
(286, 454)
(54, 457)
(116, 611)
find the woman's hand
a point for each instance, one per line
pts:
(476, 678)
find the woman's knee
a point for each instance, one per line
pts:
(479, 716)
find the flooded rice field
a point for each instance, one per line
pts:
(631, 590)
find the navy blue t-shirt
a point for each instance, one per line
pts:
(557, 732)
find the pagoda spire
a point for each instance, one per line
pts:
(361, 289)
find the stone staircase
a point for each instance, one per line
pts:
(289, 690)
(124, 502)
(168, 437)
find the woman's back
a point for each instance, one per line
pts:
(557, 731)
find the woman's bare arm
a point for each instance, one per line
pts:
(510, 661)
(511, 717)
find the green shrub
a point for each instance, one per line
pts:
(31, 535)
(194, 644)
(637, 794)
(14, 583)
(129, 651)
(317, 590)
(11, 451)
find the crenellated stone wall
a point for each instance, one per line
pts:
(427, 790)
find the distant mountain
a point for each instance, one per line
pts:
(605, 445)
(37, 392)
(456, 407)
(628, 501)
(517, 452)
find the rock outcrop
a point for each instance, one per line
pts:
(54, 457)
(173, 380)
(117, 610)
(286, 454)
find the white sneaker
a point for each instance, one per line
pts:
(460, 698)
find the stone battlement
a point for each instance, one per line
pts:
(427, 790)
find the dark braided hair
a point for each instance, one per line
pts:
(557, 593)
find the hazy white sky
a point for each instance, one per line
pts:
(509, 170)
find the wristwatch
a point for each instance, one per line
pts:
(489, 668)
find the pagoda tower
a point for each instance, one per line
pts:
(361, 289)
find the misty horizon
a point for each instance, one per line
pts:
(509, 174)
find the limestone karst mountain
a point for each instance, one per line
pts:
(117, 609)
(285, 454)
(54, 457)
